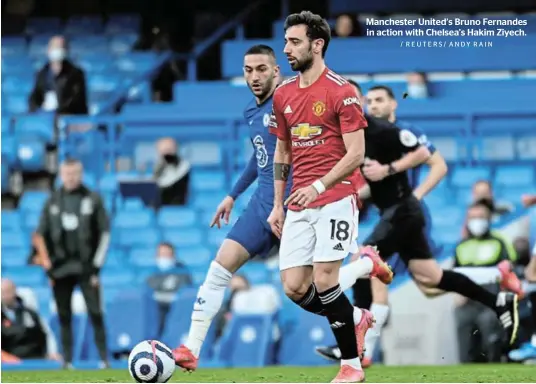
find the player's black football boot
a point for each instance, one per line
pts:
(331, 353)
(508, 313)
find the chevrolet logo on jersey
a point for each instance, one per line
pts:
(305, 131)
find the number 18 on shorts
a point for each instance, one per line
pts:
(316, 235)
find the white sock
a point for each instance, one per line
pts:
(208, 303)
(481, 275)
(349, 274)
(356, 363)
(358, 313)
(380, 313)
(533, 340)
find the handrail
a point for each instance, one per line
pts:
(200, 49)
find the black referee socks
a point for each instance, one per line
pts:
(456, 282)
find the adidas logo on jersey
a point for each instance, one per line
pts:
(288, 109)
(338, 247)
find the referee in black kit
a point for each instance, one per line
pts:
(74, 231)
(402, 225)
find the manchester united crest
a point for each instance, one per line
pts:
(319, 108)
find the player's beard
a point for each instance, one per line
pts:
(265, 90)
(304, 64)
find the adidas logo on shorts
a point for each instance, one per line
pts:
(338, 247)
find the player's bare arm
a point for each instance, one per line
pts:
(438, 170)
(282, 161)
(353, 159)
(374, 171)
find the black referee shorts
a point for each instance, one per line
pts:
(401, 230)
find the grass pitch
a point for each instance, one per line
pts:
(490, 373)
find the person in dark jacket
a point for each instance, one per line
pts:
(60, 86)
(172, 173)
(75, 229)
(24, 334)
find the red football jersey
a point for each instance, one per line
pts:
(314, 119)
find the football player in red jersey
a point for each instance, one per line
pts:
(319, 125)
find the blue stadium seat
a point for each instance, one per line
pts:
(108, 183)
(38, 45)
(256, 272)
(207, 181)
(13, 257)
(94, 63)
(177, 323)
(143, 257)
(11, 220)
(136, 62)
(515, 176)
(194, 256)
(17, 83)
(33, 201)
(15, 103)
(9, 151)
(134, 219)
(27, 276)
(117, 277)
(466, 177)
(43, 25)
(15, 239)
(82, 25)
(207, 201)
(104, 83)
(217, 236)
(133, 204)
(123, 24)
(301, 336)
(139, 237)
(176, 217)
(32, 154)
(133, 312)
(123, 43)
(448, 216)
(198, 274)
(31, 220)
(248, 341)
(183, 237)
(13, 45)
(6, 125)
(19, 66)
(204, 154)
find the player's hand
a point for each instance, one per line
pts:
(276, 220)
(302, 197)
(223, 212)
(375, 171)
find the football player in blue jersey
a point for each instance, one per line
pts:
(251, 235)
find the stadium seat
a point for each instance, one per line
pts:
(33, 201)
(108, 183)
(32, 154)
(134, 219)
(256, 272)
(117, 277)
(207, 201)
(132, 204)
(11, 220)
(13, 45)
(13, 257)
(15, 239)
(301, 336)
(115, 258)
(194, 256)
(216, 236)
(202, 181)
(31, 220)
(27, 276)
(123, 24)
(122, 43)
(147, 237)
(83, 25)
(248, 341)
(515, 176)
(9, 150)
(15, 104)
(15, 83)
(466, 177)
(183, 237)
(176, 217)
(143, 257)
(43, 25)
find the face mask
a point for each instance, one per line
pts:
(417, 91)
(165, 264)
(173, 159)
(478, 227)
(56, 54)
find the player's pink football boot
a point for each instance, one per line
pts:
(380, 268)
(185, 359)
(367, 322)
(348, 374)
(509, 280)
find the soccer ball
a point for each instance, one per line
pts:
(151, 362)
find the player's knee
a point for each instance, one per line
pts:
(231, 255)
(325, 276)
(295, 290)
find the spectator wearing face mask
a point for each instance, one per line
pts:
(482, 248)
(417, 85)
(172, 173)
(169, 277)
(60, 86)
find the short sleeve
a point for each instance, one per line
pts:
(278, 124)
(421, 136)
(349, 110)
